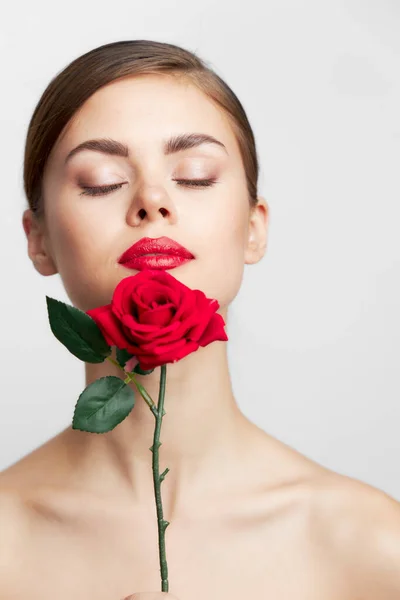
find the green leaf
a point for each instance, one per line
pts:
(77, 331)
(123, 356)
(103, 405)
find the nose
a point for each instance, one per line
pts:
(151, 203)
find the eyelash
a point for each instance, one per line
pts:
(106, 189)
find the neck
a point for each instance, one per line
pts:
(201, 434)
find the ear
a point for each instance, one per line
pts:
(257, 232)
(38, 251)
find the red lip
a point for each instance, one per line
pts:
(161, 245)
(157, 261)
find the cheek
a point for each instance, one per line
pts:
(84, 260)
(88, 286)
(222, 255)
(81, 236)
(228, 238)
(229, 270)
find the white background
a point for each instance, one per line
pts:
(315, 331)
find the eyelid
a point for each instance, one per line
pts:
(103, 190)
(87, 189)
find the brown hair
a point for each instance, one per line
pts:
(67, 92)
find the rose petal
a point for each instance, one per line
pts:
(160, 316)
(109, 325)
(149, 331)
(214, 331)
(169, 356)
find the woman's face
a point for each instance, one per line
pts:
(86, 234)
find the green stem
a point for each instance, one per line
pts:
(131, 377)
(158, 413)
(157, 478)
(146, 397)
(114, 362)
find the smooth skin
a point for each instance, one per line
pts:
(250, 516)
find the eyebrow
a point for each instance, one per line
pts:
(176, 143)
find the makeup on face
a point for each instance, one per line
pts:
(92, 154)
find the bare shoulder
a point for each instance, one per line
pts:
(13, 527)
(24, 489)
(360, 528)
(22, 485)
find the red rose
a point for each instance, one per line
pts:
(158, 319)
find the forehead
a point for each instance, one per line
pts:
(142, 110)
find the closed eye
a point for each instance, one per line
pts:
(100, 190)
(196, 182)
(107, 189)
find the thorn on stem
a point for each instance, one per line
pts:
(163, 474)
